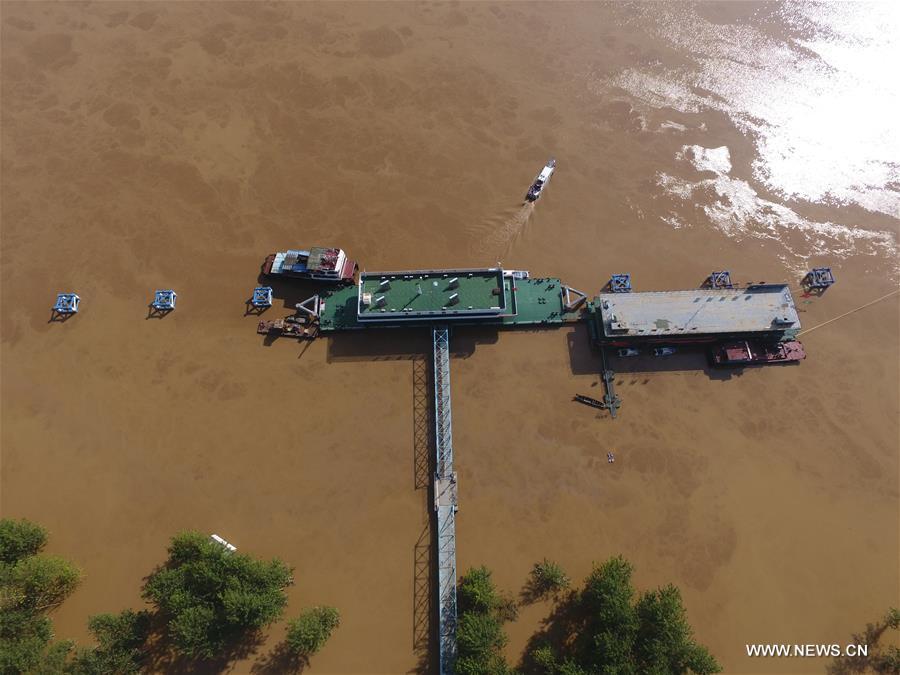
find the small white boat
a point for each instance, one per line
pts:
(629, 351)
(663, 351)
(231, 548)
(534, 192)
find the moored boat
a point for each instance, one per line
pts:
(288, 327)
(318, 263)
(587, 400)
(749, 352)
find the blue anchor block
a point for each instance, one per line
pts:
(819, 277)
(720, 279)
(66, 303)
(262, 296)
(164, 301)
(620, 283)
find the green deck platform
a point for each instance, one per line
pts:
(525, 302)
(431, 294)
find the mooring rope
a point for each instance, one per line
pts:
(868, 304)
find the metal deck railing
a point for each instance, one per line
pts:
(445, 502)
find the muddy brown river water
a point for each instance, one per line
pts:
(174, 145)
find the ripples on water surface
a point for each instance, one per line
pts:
(496, 236)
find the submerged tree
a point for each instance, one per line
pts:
(603, 630)
(879, 658)
(121, 639)
(30, 586)
(309, 632)
(213, 599)
(547, 578)
(20, 539)
(479, 635)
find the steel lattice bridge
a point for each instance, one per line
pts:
(445, 500)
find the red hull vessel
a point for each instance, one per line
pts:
(750, 352)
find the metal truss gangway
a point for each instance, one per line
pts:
(445, 502)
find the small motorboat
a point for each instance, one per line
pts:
(534, 192)
(629, 351)
(664, 351)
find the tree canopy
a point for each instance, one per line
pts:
(212, 598)
(547, 578)
(121, 640)
(880, 658)
(19, 539)
(31, 585)
(603, 630)
(480, 639)
(309, 632)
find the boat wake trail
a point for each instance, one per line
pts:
(494, 239)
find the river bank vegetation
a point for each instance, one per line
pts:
(208, 606)
(602, 627)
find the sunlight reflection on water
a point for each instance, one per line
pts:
(814, 84)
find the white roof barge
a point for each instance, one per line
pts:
(701, 315)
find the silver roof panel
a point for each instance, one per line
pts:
(761, 308)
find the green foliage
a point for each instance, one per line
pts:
(19, 539)
(606, 631)
(212, 597)
(495, 665)
(879, 659)
(608, 641)
(476, 592)
(308, 633)
(23, 637)
(480, 636)
(664, 641)
(887, 663)
(543, 657)
(892, 620)
(547, 578)
(120, 642)
(54, 659)
(40, 582)
(30, 585)
(479, 633)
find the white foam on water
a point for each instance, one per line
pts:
(717, 160)
(822, 110)
(737, 210)
(674, 221)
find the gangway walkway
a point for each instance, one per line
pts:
(445, 501)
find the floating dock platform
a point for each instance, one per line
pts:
(458, 297)
(763, 311)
